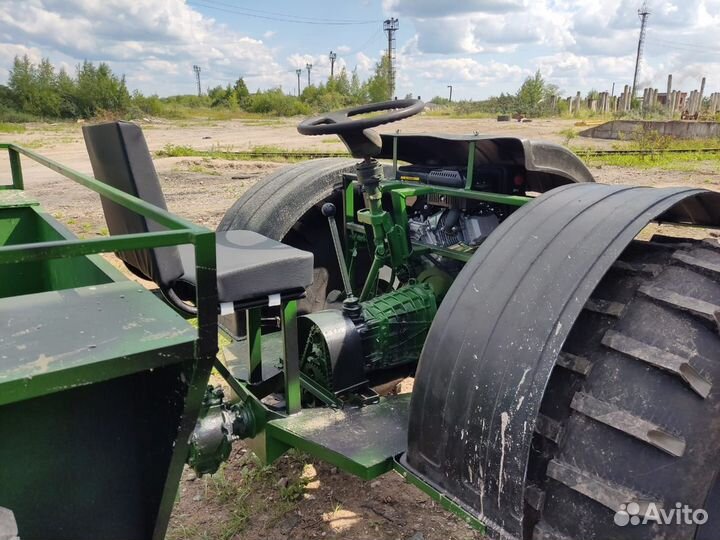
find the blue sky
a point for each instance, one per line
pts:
(481, 47)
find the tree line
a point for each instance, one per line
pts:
(40, 91)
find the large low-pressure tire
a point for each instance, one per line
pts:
(285, 206)
(572, 370)
(630, 413)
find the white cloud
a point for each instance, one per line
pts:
(8, 51)
(482, 46)
(578, 44)
(153, 42)
(433, 8)
(364, 63)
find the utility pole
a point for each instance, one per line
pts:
(332, 57)
(450, 87)
(308, 67)
(298, 72)
(196, 69)
(391, 26)
(643, 13)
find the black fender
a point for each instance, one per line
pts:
(496, 337)
(547, 165)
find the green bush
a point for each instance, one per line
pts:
(150, 105)
(15, 117)
(275, 102)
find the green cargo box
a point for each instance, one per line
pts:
(100, 381)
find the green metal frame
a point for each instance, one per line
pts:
(443, 500)
(383, 232)
(269, 440)
(389, 228)
(179, 231)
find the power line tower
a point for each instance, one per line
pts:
(196, 69)
(332, 57)
(298, 72)
(391, 26)
(308, 67)
(643, 13)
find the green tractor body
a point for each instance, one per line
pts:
(557, 359)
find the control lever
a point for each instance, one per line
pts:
(350, 304)
(328, 210)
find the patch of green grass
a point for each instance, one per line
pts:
(227, 152)
(34, 145)
(180, 112)
(450, 112)
(239, 519)
(192, 532)
(224, 489)
(202, 170)
(176, 150)
(569, 134)
(691, 161)
(294, 491)
(272, 148)
(331, 140)
(263, 122)
(657, 152)
(11, 128)
(670, 161)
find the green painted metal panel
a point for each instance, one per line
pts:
(16, 168)
(13, 198)
(91, 462)
(29, 224)
(362, 441)
(56, 340)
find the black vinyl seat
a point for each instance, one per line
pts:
(250, 266)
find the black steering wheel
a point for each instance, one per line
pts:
(341, 122)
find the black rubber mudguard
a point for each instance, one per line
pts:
(547, 165)
(497, 335)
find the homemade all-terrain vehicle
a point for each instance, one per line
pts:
(566, 364)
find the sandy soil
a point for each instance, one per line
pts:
(297, 497)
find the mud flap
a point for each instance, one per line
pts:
(497, 336)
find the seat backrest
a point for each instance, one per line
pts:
(120, 157)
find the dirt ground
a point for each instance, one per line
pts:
(298, 497)
(202, 190)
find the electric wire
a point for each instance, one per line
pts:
(662, 43)
(287, 18)
(287, 15)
